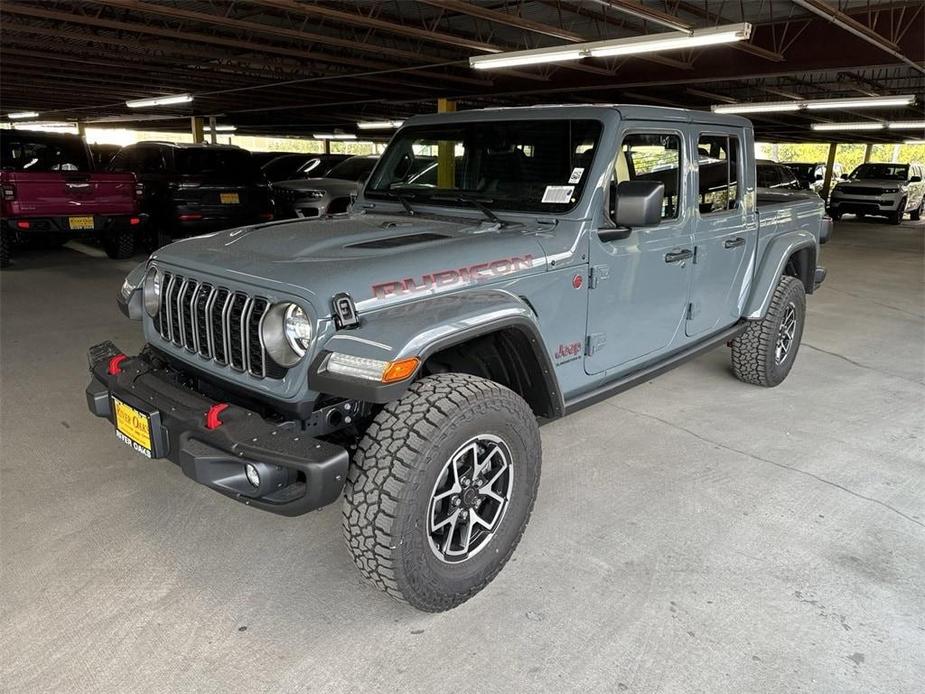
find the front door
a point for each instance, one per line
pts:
(639, 284)
(725, 233)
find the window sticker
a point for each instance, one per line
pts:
(558, 194)
(577, 173)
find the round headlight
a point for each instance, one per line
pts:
(152, 292)
(287, 333)
(298, 329)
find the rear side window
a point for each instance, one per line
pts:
(718, 173)
(20, 151)
(651, 157)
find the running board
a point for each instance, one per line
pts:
(647, 373)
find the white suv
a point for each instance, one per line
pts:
(885, 190)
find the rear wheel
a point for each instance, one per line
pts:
(441, 488)
(764, 354)
(120, 245)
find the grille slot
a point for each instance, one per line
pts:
(216, 323)
(861, 190)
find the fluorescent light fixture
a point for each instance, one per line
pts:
(651, 43)
(160, 101)
(224, 128)
(334, 136)
(22, 114)
(848, 126)
(906, 124)
(380, 124)
(816, 104)
(914, 142)
(47, 126)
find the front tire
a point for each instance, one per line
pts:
(916, 214)
(897, 217)
(6, 243)
(440, 490)
(764, 354)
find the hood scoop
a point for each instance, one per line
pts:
(399, 241)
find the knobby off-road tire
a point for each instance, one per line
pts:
(120, 244)
(764, 354)
(5, 247)
(418, 452)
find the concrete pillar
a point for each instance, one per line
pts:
(81, 128)
(895, 159)
(867, 151)
(197, 130)
(213, 136)
(829, 165)
(446, 154)
(327, 146)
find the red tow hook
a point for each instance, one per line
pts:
(114, 364)
(212, 420)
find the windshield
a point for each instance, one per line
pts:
(22, 151)
(353, 169)
(235, 164)
(803, 170)
(890, 172)
(528, 165)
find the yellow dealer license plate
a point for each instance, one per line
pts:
(132, 427)
(76, 223)
(229, 198)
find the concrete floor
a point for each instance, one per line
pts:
(693, 535)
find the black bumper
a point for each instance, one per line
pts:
(59, 226)
(298, 473)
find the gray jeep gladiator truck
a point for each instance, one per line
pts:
(403, 356)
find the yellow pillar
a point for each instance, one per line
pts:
(829, 165)
(446, 151)
(197, 129)
(213, 135)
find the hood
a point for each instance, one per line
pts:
(335, 186)
(873, 182)
(378, 259)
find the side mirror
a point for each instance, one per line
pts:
(915, 179)
(639, 203)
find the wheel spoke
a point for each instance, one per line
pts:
(476, 518)
(491, 483)
(486, 491)
(449, 519)
(449, 536)
(467, 536)
(480, 465)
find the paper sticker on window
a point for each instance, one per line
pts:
(558, 194)
(577, 173)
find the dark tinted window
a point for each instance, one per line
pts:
(529, 165)
(232, 164)
(892, 172)
(353, 169)
(22, 151)
(768, 175)
(284, 167)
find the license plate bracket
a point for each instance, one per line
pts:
(81, 223)
(137, 428)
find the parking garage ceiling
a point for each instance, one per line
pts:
(279, 67)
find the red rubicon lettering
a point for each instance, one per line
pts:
(448, 278)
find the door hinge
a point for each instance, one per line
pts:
(597, 274)
(690, 311)
(694, 259)
(594, 342)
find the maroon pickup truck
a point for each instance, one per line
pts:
(49, 190)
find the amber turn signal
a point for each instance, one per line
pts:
(400, 370)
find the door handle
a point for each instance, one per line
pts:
(678, 256)
(734, 243)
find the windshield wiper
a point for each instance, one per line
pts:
(477, 203)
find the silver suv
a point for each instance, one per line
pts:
(885, 190)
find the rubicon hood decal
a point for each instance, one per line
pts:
(471, 274)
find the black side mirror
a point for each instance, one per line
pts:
(634, 204)
(915, 179)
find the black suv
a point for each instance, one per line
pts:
(194, 189)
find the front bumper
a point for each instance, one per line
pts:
(298, 473)
(864, 205)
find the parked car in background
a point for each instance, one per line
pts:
(193, 189)
(103, 154)
(261, 158)
(774, 177)
(289, 166)
(51, 192)
(883, 190)
(331, 194)
(812, 175)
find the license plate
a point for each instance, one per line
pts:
(133, 428)
(76, 223)
(229, 198)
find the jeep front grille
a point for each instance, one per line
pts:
(216, 323)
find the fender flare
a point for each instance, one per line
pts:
(772, 268)
(424, 327)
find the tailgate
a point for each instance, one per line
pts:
(54, 193)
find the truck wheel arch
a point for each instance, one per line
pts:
(791, 254)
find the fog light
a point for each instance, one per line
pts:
(252, 475)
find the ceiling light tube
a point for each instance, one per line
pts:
(914, 142)
(848, 126)
(379, 124)
(766, 107)
(334, 136)
(224, 128)
(160, 101)
(906, 124)
(651, 43)
(815, 104)
(22, 114)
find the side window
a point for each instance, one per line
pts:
(650, 157)
(718, 167)
(150, 160)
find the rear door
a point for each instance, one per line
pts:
(639, 284)
(725, 231)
